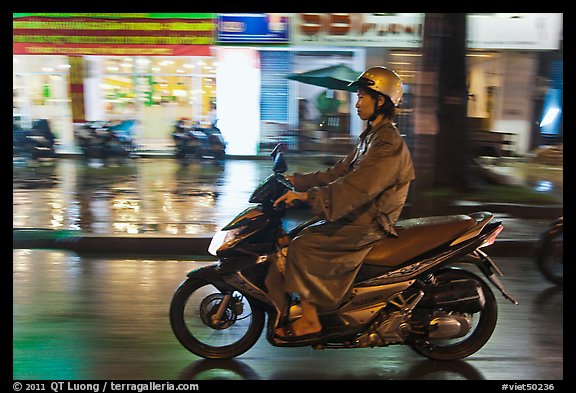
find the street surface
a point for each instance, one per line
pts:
(160, 196)
(106, 318)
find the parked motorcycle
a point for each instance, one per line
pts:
(36, 142)
(408, 290)
(550, 252)
(198, 141)
(104, 139)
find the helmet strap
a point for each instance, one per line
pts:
(371, 119)
(377, 111)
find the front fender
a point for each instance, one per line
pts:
(204, 272)
(210, 274)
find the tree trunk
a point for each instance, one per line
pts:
(442, 153)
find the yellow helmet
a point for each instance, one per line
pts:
(382, 80)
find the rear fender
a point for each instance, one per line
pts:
(487, 266)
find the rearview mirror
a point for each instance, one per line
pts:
(279, 161)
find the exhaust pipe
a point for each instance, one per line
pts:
(464, 295)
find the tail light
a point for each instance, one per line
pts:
(492, 237)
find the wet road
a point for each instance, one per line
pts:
(106, 317)
(157, 195)
(80, 317)
(138, 196)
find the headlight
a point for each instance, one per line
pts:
(221, 238)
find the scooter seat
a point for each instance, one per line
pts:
(417, 236)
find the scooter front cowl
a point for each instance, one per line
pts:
(246, 235)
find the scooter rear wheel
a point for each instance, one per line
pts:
(550, 256)
(192, 317)
(480, 332)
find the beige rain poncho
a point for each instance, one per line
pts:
(359, 199)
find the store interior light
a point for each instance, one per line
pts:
(239, 104)
(549, 117)
(551, 112)
(406, 54)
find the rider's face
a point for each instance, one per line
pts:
(364, 105)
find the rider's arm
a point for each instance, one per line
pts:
(303, 182)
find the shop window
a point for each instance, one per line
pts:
(407, 65)
(40, 91)
(158, 91)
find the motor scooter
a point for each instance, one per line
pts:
(550, 252)
(198, 141)
(105, 139)
(410, 290)
(216, 145)
(36, 142)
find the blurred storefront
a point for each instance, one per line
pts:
(156, 90)
(514, 61)
(157, 68)
(151, 67)
(507, 80)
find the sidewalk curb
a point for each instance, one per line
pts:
(87, 243)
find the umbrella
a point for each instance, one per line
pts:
(335, 77)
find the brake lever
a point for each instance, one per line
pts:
(280, 206)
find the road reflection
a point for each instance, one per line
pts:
(232, 369)
(219, 369)
(136, 196)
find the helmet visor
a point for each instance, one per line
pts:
(362, 82)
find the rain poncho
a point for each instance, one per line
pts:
(359, 199)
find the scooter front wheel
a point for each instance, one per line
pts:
(214, 324)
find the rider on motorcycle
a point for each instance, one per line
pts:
(359, 200)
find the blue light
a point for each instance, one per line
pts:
(552, 109)
(544, 186)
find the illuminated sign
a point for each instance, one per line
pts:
(253, 28)
(358, 29)
(113, 34)
(537, 31)
(515, 31)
